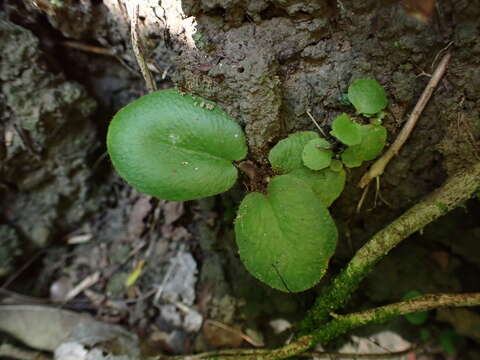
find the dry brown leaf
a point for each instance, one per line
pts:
(219, 337)
(140, 210)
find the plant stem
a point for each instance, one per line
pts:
(452, 194)
(378, 167)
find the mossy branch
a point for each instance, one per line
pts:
(344, 323)
(340, 325)
(452, 194)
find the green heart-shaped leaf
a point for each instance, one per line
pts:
(368, 96)
(285, 238)
(316, 155)
(346, 130)
(175, 147)
(286, 155)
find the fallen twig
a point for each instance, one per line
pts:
(83, 285)
(147, 75)
(89, 48)
(378, 167)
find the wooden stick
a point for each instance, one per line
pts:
(147, 75)
(379, 166)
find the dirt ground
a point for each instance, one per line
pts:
(67, 219)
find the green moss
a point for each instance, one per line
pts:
(333, 297)
(332, 330)
(443, 207)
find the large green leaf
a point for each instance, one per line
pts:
(368, 96)
(286, 155)
(175, 147)
(285, 238)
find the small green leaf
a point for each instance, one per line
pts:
(326, 184)
(351, 157)
(372, 144)
(316, 155)
(175, 147)
(449, 340)
(336, 165)
(346, 130)
(417, 318)
(368, 96)
(425, 335)
(373, 141)
(377, 120)
(285, 238)
(286, 155)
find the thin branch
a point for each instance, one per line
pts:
(379, 166)
(137, 49)
(340, 325)
(88, 48)
(345, 323)
(245, 354)
(316, 123)
(452, 194)
(372, 356)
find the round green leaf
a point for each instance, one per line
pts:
(351, 157)
(285, 238)
(316, 155)
(326, 184)
(286, 155)
(368, 96)
(175, 146)
(373, 141)
(417, 318)
(346, 130)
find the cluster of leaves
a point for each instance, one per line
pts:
(365, 142)
(181, 147)
(286, 237)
